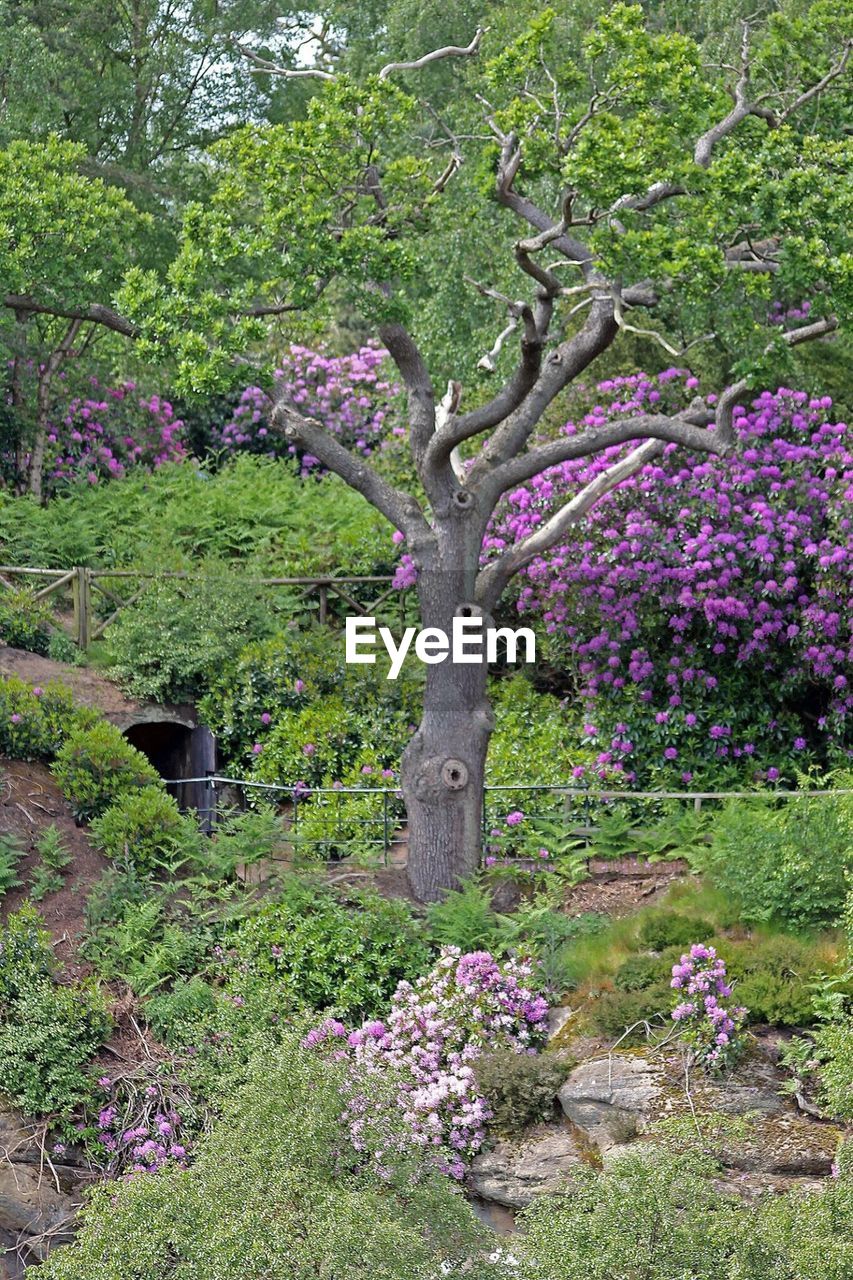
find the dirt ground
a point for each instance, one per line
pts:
(29, 802)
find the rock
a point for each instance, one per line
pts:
(788, 1145)
(610, 1098)
(557, 1019)
(741, 1099)
(513, 1173)
(30, 1203)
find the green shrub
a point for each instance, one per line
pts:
(97, 765)
(532, 737)
(834, 1050)
(788, 863)
(773, 978)
(141, 828)
(334, 739)
(290, 672)
(46, 1044)
(662, 929)
(25, 623)
(165, 646)
(640, 972)
(175, 1016)
(146, 944)
(34, 722)
(273, 1193)
(26, 955)
(521, 1089)
(612, 1013)
(660, 1216)
(333, 952)
(61, 648)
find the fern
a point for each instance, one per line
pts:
(11, 852)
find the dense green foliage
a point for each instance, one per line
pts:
(327, 951)
(165, 646)
(271, 1196)
(788, 862)
(35, 722)
(48, 1032)
(664, 1219)
(95, 766)
(140, 828)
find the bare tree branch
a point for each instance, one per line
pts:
(449, 51)
(836, 70)
(672, 430)
(724, 416)
(266, 67)
(420, 392)
(96, 313)
(495, 576)
(400, 508)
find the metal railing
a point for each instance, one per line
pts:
(381, 824)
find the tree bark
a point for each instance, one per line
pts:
(444, 764)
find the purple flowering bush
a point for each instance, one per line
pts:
(102, 435)
(138, 1128)
(436, 1030)
(704, 603)
(349, 394)
(708, 1024)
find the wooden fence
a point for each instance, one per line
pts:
(96, 605)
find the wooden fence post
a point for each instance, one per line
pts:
(82, 595)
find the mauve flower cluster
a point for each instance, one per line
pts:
(700, 572)
(349, 395)
(139, 1134)
(101, 436)
(705, 1019)
(436, 1030)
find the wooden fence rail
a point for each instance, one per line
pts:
(86, 584)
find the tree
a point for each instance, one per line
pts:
(64, 248)
(641, 180)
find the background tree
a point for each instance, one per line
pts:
(65, 244)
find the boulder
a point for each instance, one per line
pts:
(513, 1173)
(609, 1099)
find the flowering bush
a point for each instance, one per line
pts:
(348, 394)
(35, 721)
(436, 1029)
(708, 1024)
(114, 428)
(703, 603)
(138, 1129)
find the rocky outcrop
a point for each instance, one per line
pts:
(513, 1173)
(39, 1198)
(748, 1127)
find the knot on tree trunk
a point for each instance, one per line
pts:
(441, 777)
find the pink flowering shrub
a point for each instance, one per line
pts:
(138, 1130)
(101, 436)
(709, 1025)
(437, 1028)
(703, 608)
(349, 395)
